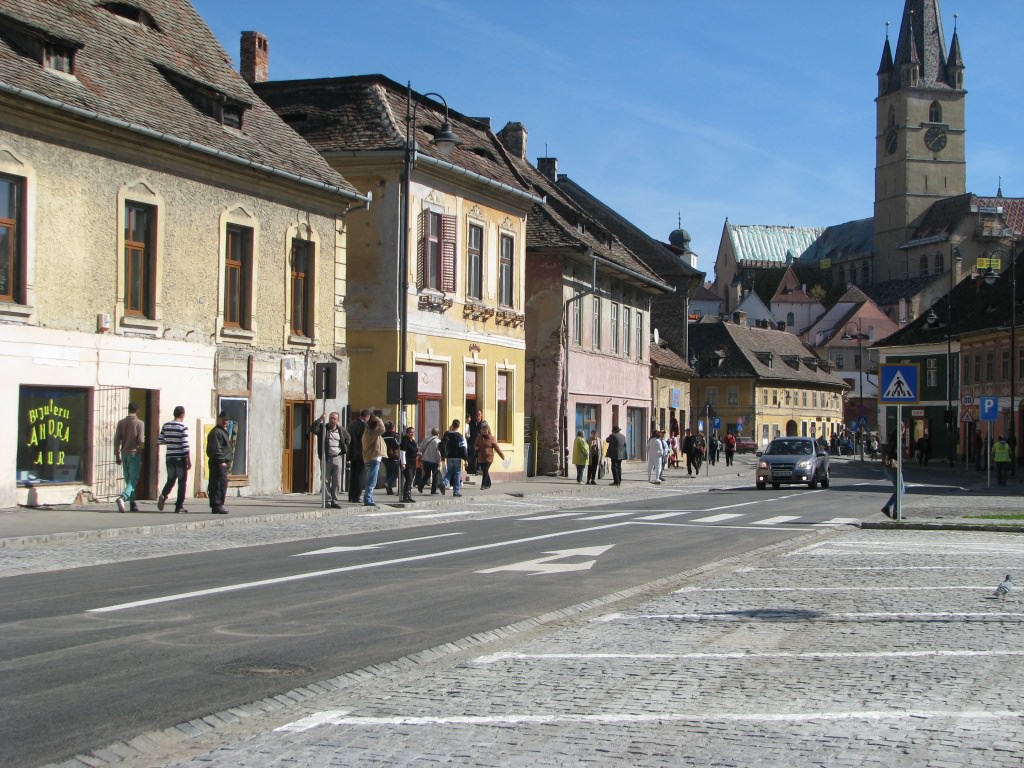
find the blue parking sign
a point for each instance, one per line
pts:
(988, 408)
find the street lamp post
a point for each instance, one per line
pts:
(933, 319)
(445, 140)
(859, 336)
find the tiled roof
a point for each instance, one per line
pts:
(368, 113)
(728, 350)
(771, 243)
(943, 216)
(842, 241)
(141, 75)
(663, 356)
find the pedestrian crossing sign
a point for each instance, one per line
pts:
(899, 383)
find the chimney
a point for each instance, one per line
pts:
(254, 57)
(548, 166)
(739, 317)
(513, 137)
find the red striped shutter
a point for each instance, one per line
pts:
(448, 231)
(421, 252)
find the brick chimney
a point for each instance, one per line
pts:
(254, 58)
(513, 137)
(548, 166)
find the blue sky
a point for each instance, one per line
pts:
(760, 112)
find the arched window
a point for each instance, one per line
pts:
(892, 116)
(923, 265)
(935, 113)
(842, 276)
(864, 274)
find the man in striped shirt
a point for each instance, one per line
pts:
(178, 459)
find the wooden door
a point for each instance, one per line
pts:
(296, 462)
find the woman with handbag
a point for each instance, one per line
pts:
(430, 459)
(484, 448)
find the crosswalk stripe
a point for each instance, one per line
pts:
(839, 521)
(776, 520)
(551, 517)
(716, 518)
(664, 515)
(607, 516)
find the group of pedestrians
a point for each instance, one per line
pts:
(129, 440)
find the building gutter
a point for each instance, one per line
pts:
(183, 143)
(486, 181)
(643, 278)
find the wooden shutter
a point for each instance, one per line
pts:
(448, 230)
(421, 252)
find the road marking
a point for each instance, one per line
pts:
(606, 516)
(551, 517)
(544, 565)
(872, 588)
(785, 615)
(331, 550)
(667, 515)
(717, 518)
(343, 718)
(497, 658)
(347, 569)
(840, 521)
(776, 520)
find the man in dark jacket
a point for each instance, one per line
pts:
(392, 440)
(333, 441)
(616, 453)
(219, 452)
(356, 428)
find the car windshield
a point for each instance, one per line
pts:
(790, 448)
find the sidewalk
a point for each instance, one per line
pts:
(22, 526)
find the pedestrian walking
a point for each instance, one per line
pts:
(357, 469)
(713, 449)
(594, 458)
(1001, 459)
(129, 436)
(473, 424)
(890, 468)
(689, 451)
(616, 442)
(665, 454)
(654, 456)
(730, 448)
(580, 455)
(455, 452)
(374, 450)
(430, 458)
(177, 459)
(410, 450)
(699, 450)
(333, 442)
(484, 448)
(219, 453)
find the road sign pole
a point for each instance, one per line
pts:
(898, 508)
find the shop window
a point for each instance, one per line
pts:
(53, 424)
(503, 427)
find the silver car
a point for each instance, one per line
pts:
(793, 460)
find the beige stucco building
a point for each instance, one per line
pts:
(169, 242)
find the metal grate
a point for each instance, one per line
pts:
(109, 406)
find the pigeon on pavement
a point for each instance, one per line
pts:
(1004, 586)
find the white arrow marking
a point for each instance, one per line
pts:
(332, 550)
(543, 565)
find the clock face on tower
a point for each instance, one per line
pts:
(891, 141)
(935, 139)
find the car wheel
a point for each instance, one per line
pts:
(761, 486)
(812, 483)
(776, 486)
(825, 481)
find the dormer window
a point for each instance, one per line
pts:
(60, 58)
(132, 13)
(231, 116)
(210, 101)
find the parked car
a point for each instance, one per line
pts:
(745, 444)
(793, 460)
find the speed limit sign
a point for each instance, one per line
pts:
(966, 399)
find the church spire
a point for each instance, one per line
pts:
(921, 48)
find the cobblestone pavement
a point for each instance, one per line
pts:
(852, 647)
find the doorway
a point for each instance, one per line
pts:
(296, 461)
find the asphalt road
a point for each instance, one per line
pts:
(96, 654)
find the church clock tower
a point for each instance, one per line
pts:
(920, 152)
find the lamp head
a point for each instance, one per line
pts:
(445, 139)
(932, 318)
(990, 276)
